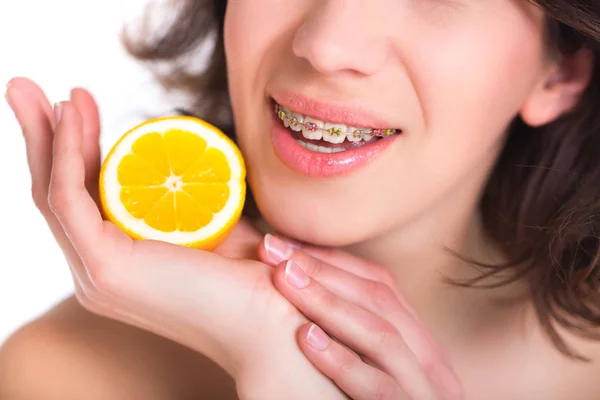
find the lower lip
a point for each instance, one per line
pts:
(322, 165)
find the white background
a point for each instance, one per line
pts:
(60, 44)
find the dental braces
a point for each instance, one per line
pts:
(334, 131)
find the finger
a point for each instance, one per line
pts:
(30, 105)
(33, 91)
(68, 197)
(85, 104)
(377, 298)
(36, 118)
(276, 249)
(373, 295)
(38, 132)
(357, 328)
(380, 300)
(357, 379)
(338, 278)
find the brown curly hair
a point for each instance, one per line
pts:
(542, 202)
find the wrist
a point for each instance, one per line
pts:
(281, 371)
(214, 348)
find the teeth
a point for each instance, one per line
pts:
(290, 119)
(319, 149)
(355, 137)
(299, 120)
(307, 133)
(314, 129)
(334, 133)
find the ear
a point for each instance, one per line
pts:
(560, 90)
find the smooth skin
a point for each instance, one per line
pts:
(115, 360)
(241, 310)
(230, 288)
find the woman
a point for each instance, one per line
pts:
(487, 179)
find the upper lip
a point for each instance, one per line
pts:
(332, 113)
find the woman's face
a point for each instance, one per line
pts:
(451, 75)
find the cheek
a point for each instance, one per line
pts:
(470, 87)
(251, 34)
(238, 42)
(252, 28)
(480, 77)
(473, 85)
(488, 83)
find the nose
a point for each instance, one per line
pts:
(343, 35)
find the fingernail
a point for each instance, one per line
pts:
(317, 338)
(295, 276)
(7, 98)
(58, 108)
(277, 249)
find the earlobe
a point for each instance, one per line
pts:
(561, 90)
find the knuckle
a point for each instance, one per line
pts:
(325, 300)
(40, 198)
(380, 295)
(429, 364)
(58, 200)
(387, 336)
(387, 277)
(314, 268)
(384, 274)
(101, 278)
(346, 364)
(104, 277)
(384, 389)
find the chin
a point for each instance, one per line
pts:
(309, 219)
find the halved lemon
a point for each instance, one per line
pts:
(174, 179)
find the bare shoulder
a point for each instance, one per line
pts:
(70, 353)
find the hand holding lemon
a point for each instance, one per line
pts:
(180, 182)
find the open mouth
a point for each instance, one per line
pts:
(324, 149)
(324, 137)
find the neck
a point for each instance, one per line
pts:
(418, 256)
